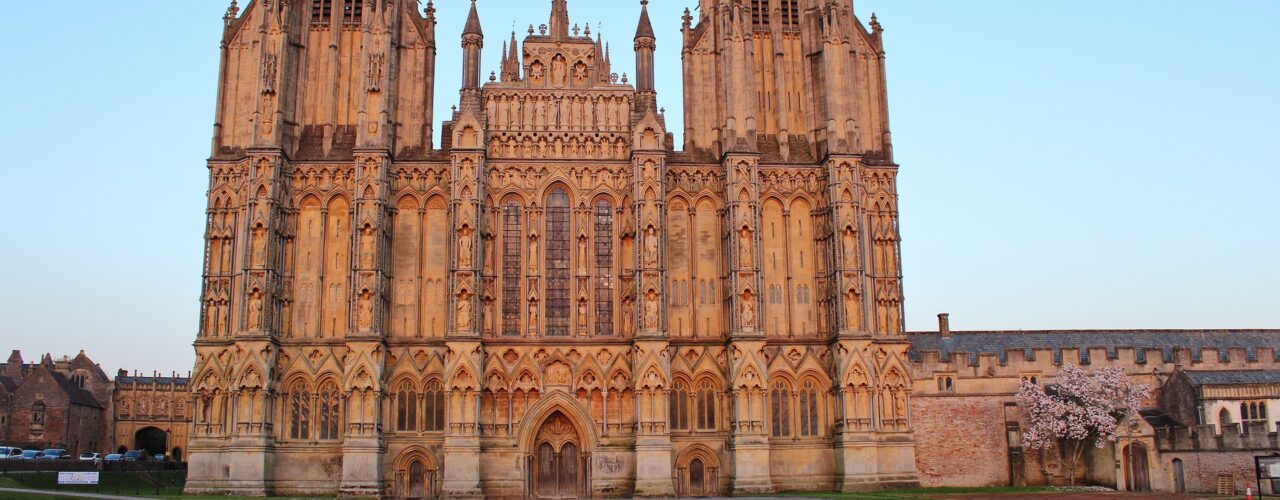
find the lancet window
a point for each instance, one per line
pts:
(557, 263)
(679, 406)
(299, 411)
(780, 409)
(329, 410)
(433, 407)
(604, 268)
(706, 404)
(406, 407)
(808, 408)
(511, 270)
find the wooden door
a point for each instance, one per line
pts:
(696, 475)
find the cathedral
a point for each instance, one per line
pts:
(555, 301)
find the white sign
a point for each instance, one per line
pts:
(1273, 470)
(77, 478)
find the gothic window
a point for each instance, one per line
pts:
(320, 10)
(433, 408)
(329, 414)
(760, 12)
(679, 406)
(1253, 411)
(511, 258)
(780, 409)
(37, 414)
(406, 407)
(351, 10)
(604, 268)
(1224, 418)
(809, 409)
(946, 384)
(557, 315)
(299, 411)
(790, 13)
(706, 402)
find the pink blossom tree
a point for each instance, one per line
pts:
(1078, 409)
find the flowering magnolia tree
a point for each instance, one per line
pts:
(1077, 410)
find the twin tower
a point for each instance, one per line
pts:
(555, 301)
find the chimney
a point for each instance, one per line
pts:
(944, 324)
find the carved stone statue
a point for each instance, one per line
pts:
(748, 311)
(533, 315)
(651, 311)
(582, 315)
(464, 313)
(365, 314)
(650, 247)
(744, 247)
(259, 246)
(255, 311)
(464, 247)
(533, 254)
(850, 248)
(582, 255)
(852, 318)
(366, 248)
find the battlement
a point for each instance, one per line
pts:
(1249, 436)
(1037, 350)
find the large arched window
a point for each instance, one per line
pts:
(557, 267)
(406, 407)
(433, 407)
(512, 237)
(679, 406)
(706, 406)
(604, 268)
(329, 413)
(809, 408)
(780, 409)
(299, 411)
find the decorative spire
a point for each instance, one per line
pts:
(686, 19)
(473, 22)
(559, 22)
(875, 24)
(232, 11)
(430, 12)
(644, 29)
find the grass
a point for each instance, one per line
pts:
(924, 493)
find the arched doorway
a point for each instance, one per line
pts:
(697, 472)
(416, 475)
(154, 440)
(1136, 476)
(557, 467)
(1179, 477)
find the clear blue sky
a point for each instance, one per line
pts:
(1083, 164)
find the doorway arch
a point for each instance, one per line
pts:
(698, 472)
(152, 439)
(416, 475)
(558, 458)
(1136, 475)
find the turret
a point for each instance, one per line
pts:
(644, 45)
(559, 22)
(511, 60)
(472, 42)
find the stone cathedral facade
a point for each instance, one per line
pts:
(555, 301)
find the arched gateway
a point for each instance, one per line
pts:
(557, 460)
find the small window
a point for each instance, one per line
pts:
(1031, 378)
(946, 384)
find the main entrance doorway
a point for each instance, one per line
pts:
(557, 465)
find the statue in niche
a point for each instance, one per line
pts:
(744, 247)
(852, 319)
(222, 316)
(365, 314)
(540, 114)
(211, 319)
(255, 310)
(848, 242)
(227, 248)
(582, 254)
(651, 310)
(366, 248)
(536, 72)
(488, 257)
(627, 317)
(580, 73)
(533, 254)
(464, 312)
(488, 316)
(259, 245)
(582, 315)
(748, 311)
(464, 247)
(162, 407)
(533, 315)
(651, 247)
(559, 70)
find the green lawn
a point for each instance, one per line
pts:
(925, 493)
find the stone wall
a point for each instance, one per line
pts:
(960, 440)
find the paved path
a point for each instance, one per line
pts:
(71, 494)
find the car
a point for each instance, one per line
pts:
(8, 452)
(56, 454)
(134, 456)
(90, 456)
(113, 457)
(31, 454)
(159, 457)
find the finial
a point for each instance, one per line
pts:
(687, 18)
(493, 77)
(232, 11)
(587, 32)
(575, 28)
(662, 111)
(530, 29)
(875, 23)
(542, 29)
(624, 78)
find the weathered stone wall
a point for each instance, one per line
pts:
(960, 440)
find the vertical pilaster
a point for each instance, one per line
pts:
(749, 442)
(651, 356)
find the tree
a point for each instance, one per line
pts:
(1078, 409)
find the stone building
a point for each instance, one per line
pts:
(555, 301)
(151, 413)
(54, 404)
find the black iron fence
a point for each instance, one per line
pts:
(125, 478)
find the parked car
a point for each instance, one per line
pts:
(159, 457)
(90, 456)
(56, 454)
(31, 454)
(8, 452)
(134, 456)
(113, 457)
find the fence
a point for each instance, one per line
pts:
(124, 478)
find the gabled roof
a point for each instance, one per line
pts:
(74, 392)
(1243, 377)
(473, 22)
(644, 29)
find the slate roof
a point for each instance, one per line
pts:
(74, 392)
(997, 343)
(1234, 377)
(151, 380)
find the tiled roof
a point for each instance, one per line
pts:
(997, 343)
(1244, 377)
(74, 392)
